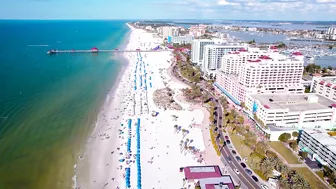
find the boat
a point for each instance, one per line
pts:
(52, 51)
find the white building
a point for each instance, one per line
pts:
(232, 62)
(331, 33)
(292, 110)
(180, 39)
(212, 57)
(325, 86)
(197, 48)
(252, 72)
(320, 146)
(197, 30)
(169, 31)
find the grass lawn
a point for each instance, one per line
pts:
(310, 177)
(285, 152)
(245, 152)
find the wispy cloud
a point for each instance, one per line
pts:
(258, 9)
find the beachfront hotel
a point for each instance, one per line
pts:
(253, 72)
(297, 111)
(197, 49)
(166, 31)
(212, 57)
(325, 86)
(320, 145)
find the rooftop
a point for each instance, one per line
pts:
(331, 80)
(199, 172)
(324, 138)
(294, 102)
(224, 182)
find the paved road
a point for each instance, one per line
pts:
(246, 179)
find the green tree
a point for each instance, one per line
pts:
(295, 134)
(304, 155)
(284, 137)
(293, 145)
(261, 147)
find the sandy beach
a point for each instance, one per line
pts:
(130, 147)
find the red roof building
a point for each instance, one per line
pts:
(199, 172)
(266, 106)
(208, 177)
(297, 54)
(333, 105)
(321, 82)
(253, 60)
(329, 85)
(242, 50)
(234, 52)
(263, 57)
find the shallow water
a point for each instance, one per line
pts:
(48, 104)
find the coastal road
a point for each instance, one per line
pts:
(244, 178)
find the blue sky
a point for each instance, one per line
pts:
(169, 9)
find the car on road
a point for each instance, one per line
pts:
(234, 152)
(264, 186)
(243, 165)
(228, 142)
(236, 170)
(226, 138)
(228, 159)
(255, 178)
(248, 171)
(230, 147)
(238, 158)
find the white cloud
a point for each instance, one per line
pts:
(224, 3)
(256, 9)
(325, 1)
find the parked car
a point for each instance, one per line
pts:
(228, 159)
(236, 170)
(243, 165)
(229, 146)
(234, 152)
(228, 142)
(226, 138)
(264, 186)
(248, 171)
(255, 178)
(238, 158)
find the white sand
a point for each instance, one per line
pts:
(160, 149)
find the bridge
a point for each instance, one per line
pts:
(96, 50)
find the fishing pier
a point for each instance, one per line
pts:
(96, 50)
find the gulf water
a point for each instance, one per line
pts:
(48, 104)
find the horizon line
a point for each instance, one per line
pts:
(168, 19)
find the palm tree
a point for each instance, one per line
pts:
(240, 119)
(261, 147)
(175, 128)
(283, 183)
(183, 132)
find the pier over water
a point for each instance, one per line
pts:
(96, 50)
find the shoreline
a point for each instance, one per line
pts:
(108, 100)
(113, 148)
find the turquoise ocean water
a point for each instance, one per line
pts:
(48, 104)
